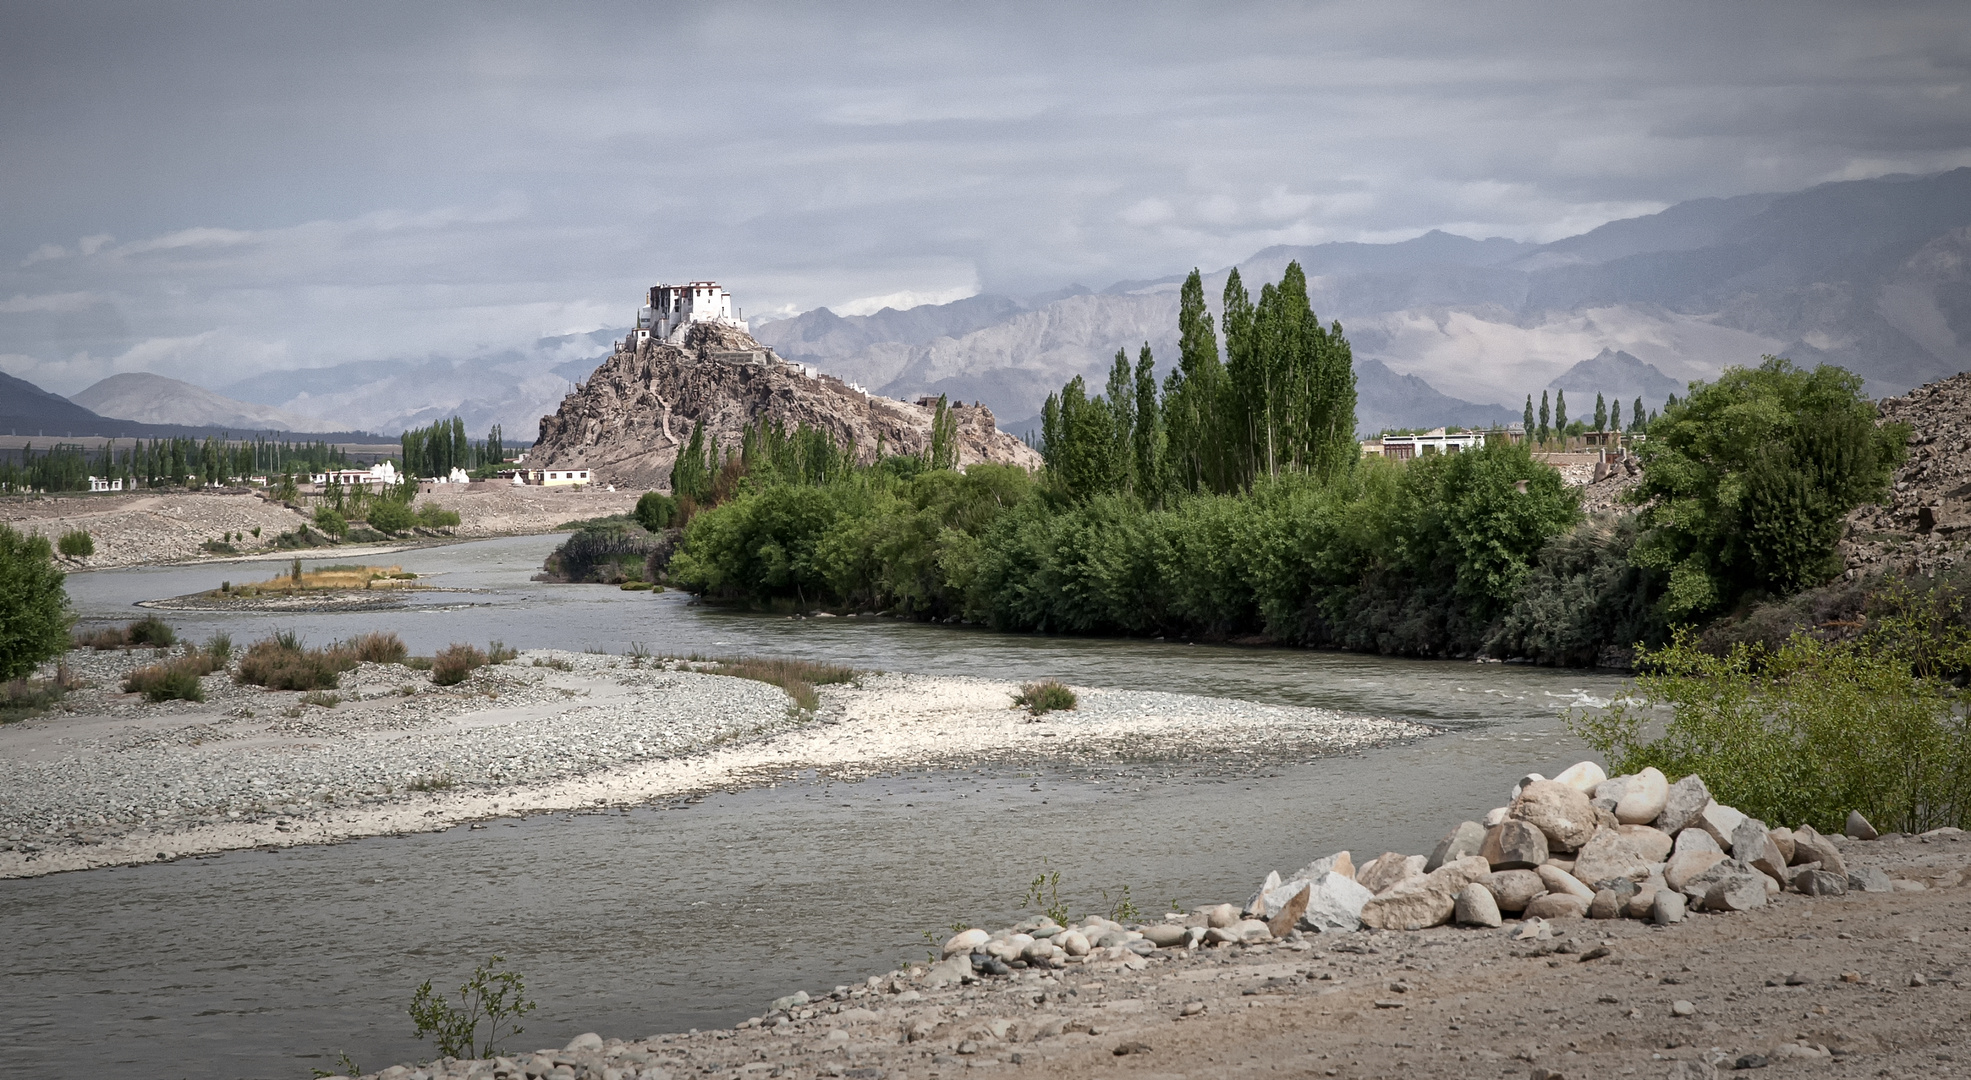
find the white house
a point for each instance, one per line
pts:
(381, 474)
(97, 483)
(1436, 441)
(546, 477)
(669, 310)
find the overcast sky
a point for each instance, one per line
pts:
(211, 191)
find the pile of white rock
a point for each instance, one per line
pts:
(1582, 844)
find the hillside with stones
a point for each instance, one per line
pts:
(630, 419)
(1926, 523)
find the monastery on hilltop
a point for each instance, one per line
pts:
(669, 311)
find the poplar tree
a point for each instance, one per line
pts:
(1560, 413)
(1152, 441)
(1601, 413)
(1615, 416)
(1194, 398)
(1636, 414)
(1544, 414)
(1527, 423)
(1244, 380)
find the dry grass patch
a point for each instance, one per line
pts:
(326, 579)
(798, 677)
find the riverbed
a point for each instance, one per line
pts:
(694, 914)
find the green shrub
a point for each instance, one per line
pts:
(376, 647)
(498, 652)
(797, 677)
(656, 511)
(151, 630)
(77, 544)
(1813, 729)
(34, 615)
(609, 553)
(433, 516)
(176, 679)
(219, 647)
(330, 521)
(1045, 696)
(391, 516)
(454, 663)
(1584, 602)
(281, 663)
(497, 998)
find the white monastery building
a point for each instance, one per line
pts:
(669, 311)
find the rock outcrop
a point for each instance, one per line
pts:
(630, 419)
(1925, 524)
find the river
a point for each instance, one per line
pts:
(266, 964)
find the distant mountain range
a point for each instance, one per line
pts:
(1869, 274)
(154, 399)
(28, 411)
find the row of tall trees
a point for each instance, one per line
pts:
(1550, 422)
(444, 446)
(173, 462)
(1280, 401)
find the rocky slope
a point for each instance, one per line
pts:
(628, 422)
(1926, 523)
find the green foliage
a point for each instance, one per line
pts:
(1582, 597)
(176, 679)
(430, 515)
(1045, 696)
(436, 450)
(1200, 447)
(282, 663)
(1812, 729)
(344, 1066)
(692, 472)
(331, 521)
(1747, 482)
(942, 453)
(491, 996)
(77, 544)
(655, 511)
(455, 662)
(390, 516)
(34, 615)
(606, 552)
(1044, 893)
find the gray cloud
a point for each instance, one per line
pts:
(216, 191)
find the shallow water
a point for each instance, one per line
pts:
(265, 964)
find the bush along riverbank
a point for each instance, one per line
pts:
(1345, 964)
(1232, 504)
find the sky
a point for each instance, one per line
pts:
(216, 191)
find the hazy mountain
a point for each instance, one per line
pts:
(1869, 274)
(154, 399)
(26, 409)
(1618, 377)
(1384, 399)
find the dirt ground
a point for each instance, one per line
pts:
(1865, 985)
(150, 528)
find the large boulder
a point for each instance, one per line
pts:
(1858, 827)
(1653, 845)
(1334, 904)
(1464, 840)
(1338, 863)
(1514, 845)
(1783, 840)
(1477, 907)
(1418, 902)
(1607, 855)
(1736, 892)
(1562, 812)
(1810, 846)
(1684, 800)
(1256, 903)
(1752, 844)
(1821, 883)
(1385, 870)
(1560, 881)
(1695, 840)
(1685, 866)
(1720, 821)
(1557, 906)
(1281, 921)
(1582, 776)
(1514, 889)
(1643, 798)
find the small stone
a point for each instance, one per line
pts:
(1582, 776)
(1514, 889)
(1682, 803)
(1605, 905)
(1252, 930)
(965, 941)
(1918, 980)
(1820, 883)
(1192, 1008)
(1492, 817)
(1222, 915)
(1750, 1061)
(1464, 840)
(1692, 1070)
(1643, 799)
(1681, 1007)
(1514, 845)
(1476, 906)
(1562, 812)
(1129, 1048)
(1556, 906)
(1869, 879)
(1165, 935)
(587, 1040)
(968, 1047)
(1858, 827)
(1667, 907)
(1075, 943)
(1720, 821)
(1644, 901)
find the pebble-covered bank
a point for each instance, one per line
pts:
(115, 779)
(1864, 976)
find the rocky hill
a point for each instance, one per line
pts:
(629, 420)
(1925, 526)
(154, 399)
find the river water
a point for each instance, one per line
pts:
(266, 964)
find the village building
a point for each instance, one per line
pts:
(545, 477)
(669, 310)
(1435, 441)
(99, 483)
(381, 474)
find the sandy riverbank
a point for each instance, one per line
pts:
(118, 780)
(150, 528)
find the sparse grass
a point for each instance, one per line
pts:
(798, 677)
(148, 631)
(76, 544)
(418, 663)
(499, 652)
(377, 647)
(441, 782)
(549, 662)
(1045, 696)
(322, 698)
(23, 698)
(281, 663)
(177, 679)
(454, 663)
